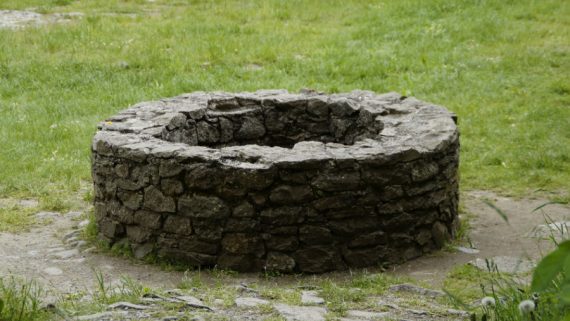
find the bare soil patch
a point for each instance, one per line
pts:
(14, 19)
(491, 235)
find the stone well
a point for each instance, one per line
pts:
(278, 181)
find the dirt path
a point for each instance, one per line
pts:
(491, 235)
(44, 253)
(49, 253)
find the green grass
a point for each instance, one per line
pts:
(467, 286)
(501, 65)
(20, 300)
(463, 281)
(14, 219)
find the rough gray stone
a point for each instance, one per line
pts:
(178, 225)
(287, 194)
(110, 229)
(155, 200)
(312, 235)
(370, 239)
(127, 306)
(279, 262)
(298, 313)
(318, 259)
(251, 128)
(283, 243)
(340, 181)
(151, 220)
(192, 302)
(249, 302)
(207, 133)
(241, 225)
(194, 244)
(142, 250)
(370, 256)
(240, 262)
(66, 255)
(440, 233)
(410, 288)
(171, 187)
(505, 264)
(198, 206)
(240, 243)
(244, 209)
(282, 215)
(103, 316)
(467, 250)
(203, 177)
(138, 234)
(368, 315)
(208, 230)
(311, 298)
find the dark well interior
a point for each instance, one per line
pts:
(234, 121)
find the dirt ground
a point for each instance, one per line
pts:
(46, 252)
(491, 235)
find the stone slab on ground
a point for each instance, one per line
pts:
(66, 254)
(249, 302)
(127, 306)
(300, 313)
(357, 315)
(192, 302)
(505, 264)
(467, 250)
(410, 288)
(311, 298)
(102, 316)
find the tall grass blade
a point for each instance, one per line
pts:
(548, 203)
(502, 214)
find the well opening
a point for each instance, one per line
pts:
(235, 122)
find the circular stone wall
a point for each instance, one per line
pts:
(277, 181)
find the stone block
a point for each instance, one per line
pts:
(240, 243)
(177, 225)
(282, 243)
(207, 207)
(288, 194)
(155, 200)
(279, 262)
(318, 259)
(171, 187)
(148, 219)
(312, 235)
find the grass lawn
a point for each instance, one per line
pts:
(502, 65)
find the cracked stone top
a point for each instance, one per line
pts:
(276, 127)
